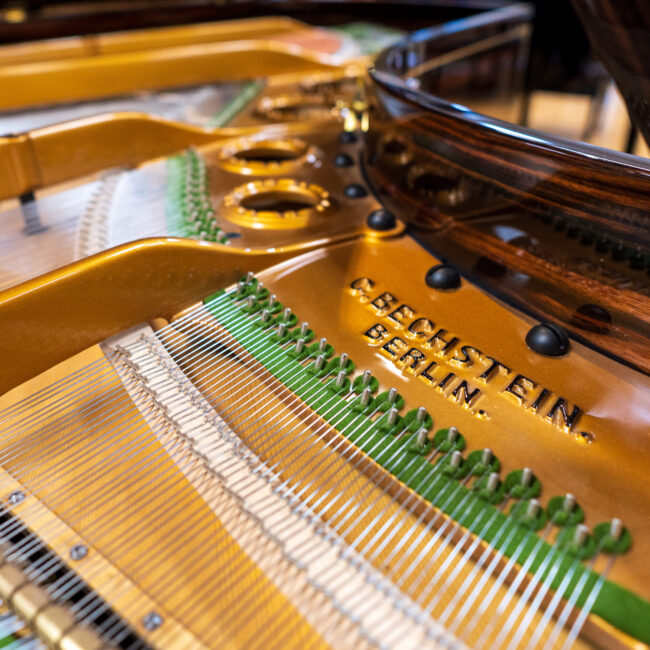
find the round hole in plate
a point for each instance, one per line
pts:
(294, 107)
(277, 204)
(279, 201)
(267, 154)
(265, 157)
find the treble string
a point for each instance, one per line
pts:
(278, 435)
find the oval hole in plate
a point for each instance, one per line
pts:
(279, 201)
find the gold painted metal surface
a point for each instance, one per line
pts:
(608, 475)
(83, 78)
(60, 153)
(111, 291)
(372, 495)
(146, 39)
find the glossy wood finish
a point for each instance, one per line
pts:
(461, 176)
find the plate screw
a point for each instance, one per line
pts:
(548, 339)
(355, 191)
(343, 160)
(16, 497)
(78, 552)
(442, 277)
(381, 220)
(152, 621)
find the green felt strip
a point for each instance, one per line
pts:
(229, 112)
(188, 207)
(507, 532)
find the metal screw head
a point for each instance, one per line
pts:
(78, 552)
(381, 220)
(343, 160)
(548, 339)
(16, 497)
(152, 621)
(355, 191)
(442, 277)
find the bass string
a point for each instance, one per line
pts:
(79, 219)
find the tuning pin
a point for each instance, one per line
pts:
(392, 395)
(421, 436)
(249, 277)
(251, 301)
(319, 364)
(300, 346)
(265, 315)
(260, 288)
(282, 329)
(452, 434)
(486, 456)
(420, 415)
(272, 300)
(526, 477)
(391, 418)
(286, 313)
(580, 535)
(569, 503)
(340, 378)
(322, 345)
(365, 397)
(492, 482)
(366, 377)
(240, 287)
(616, 529)
(303, 329)
(533, 508)
(456, 459)
(343, 360)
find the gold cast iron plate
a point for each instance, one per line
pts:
(608, 475)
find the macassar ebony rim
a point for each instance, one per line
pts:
(549, 177)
